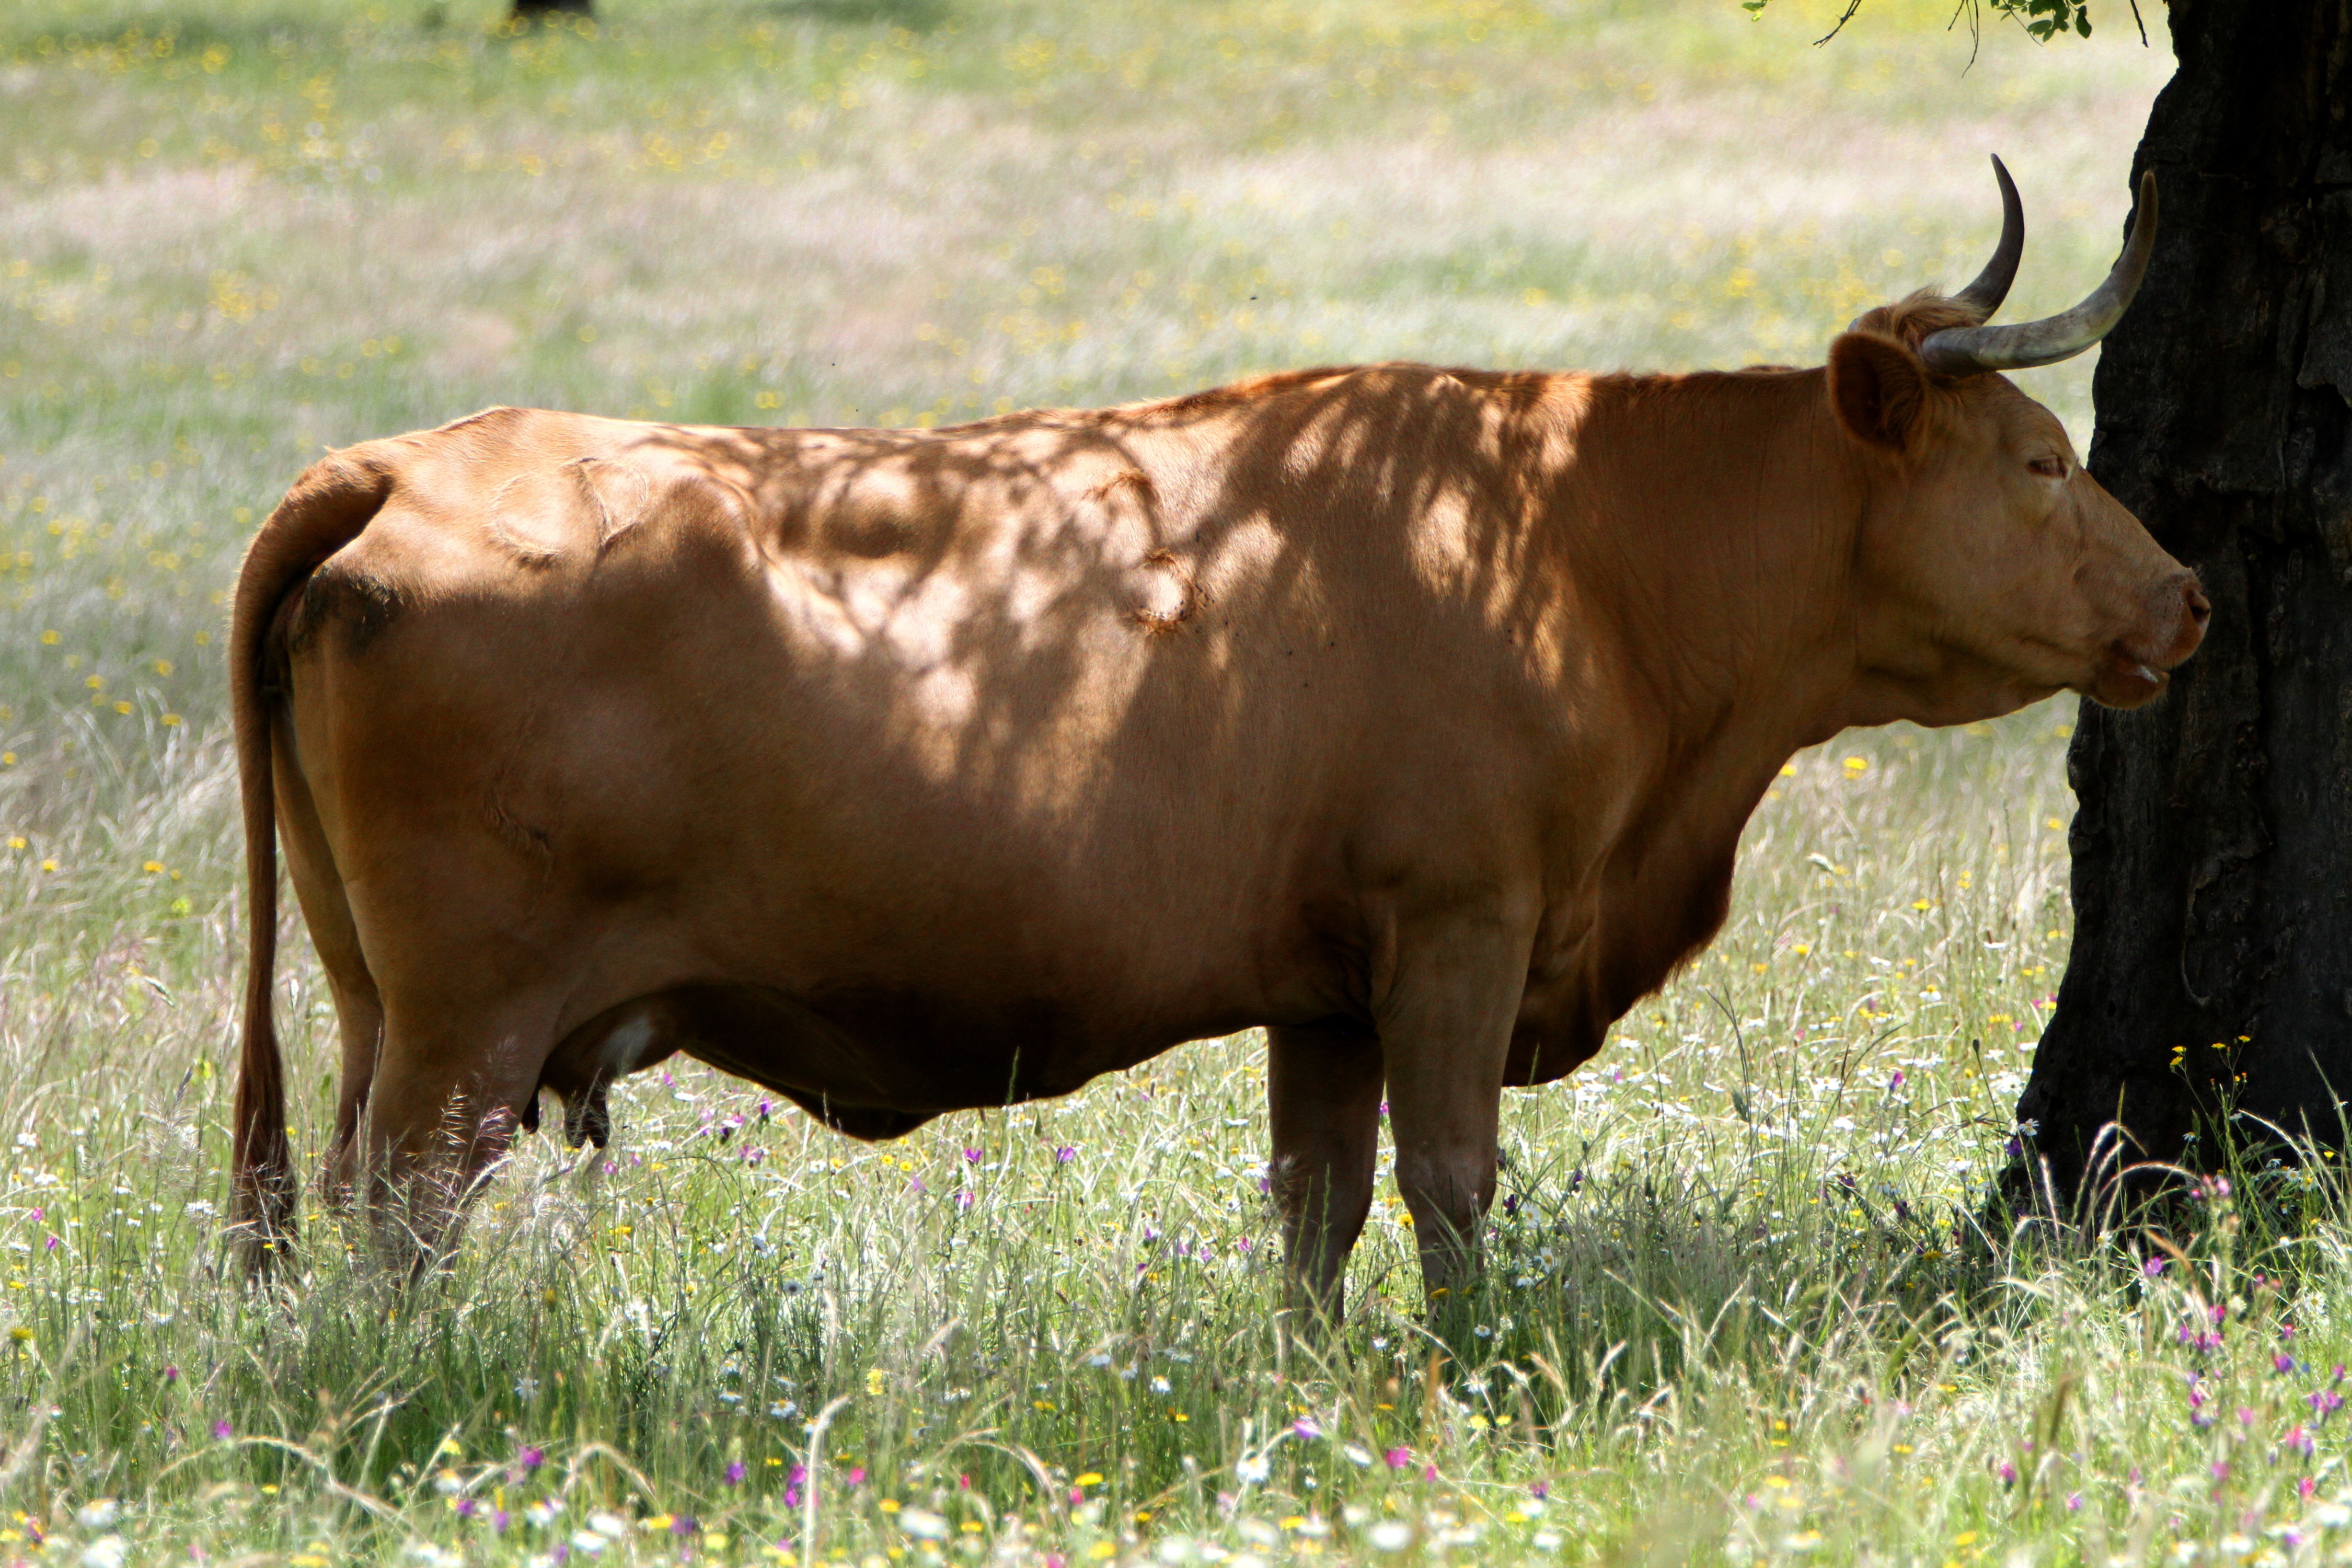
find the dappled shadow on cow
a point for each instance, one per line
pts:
(1412, 714)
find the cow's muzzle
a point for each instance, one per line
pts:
(2139, 665)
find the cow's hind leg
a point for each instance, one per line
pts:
(453, 1084)
(1323, 1095)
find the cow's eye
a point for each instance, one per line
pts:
(2048, 467)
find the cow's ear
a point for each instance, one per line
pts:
(1879, 388)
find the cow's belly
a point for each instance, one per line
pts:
(908, 1052)
(948, 881)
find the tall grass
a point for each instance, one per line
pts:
(1738, 1305)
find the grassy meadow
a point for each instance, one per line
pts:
(1740, 1307)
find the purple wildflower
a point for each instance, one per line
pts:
(2282, 1363)
(171, 1375)
(1305, 1428)
(965, 1199)
(223, 1430)
(972, 1157)
(2154, 1268)
(681, 1525)
(1398, 1458)
(2008, 1473)
(2073, 1502)
(1064, 1155)
(530, 1458)
(1895, 1082)
(468, 1508)
(735, 1473)
(499, 1520)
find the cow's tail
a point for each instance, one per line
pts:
(327, 508)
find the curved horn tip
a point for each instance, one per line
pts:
(1991, 287)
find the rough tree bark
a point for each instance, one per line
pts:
(2213, 845)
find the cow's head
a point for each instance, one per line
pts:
(1993, 569)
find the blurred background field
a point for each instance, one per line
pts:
(1740, 1308)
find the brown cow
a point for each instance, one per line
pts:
(1413, 714)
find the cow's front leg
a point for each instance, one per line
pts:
(1323, 1097)
(1445, 1028)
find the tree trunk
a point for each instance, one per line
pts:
(2213, 845)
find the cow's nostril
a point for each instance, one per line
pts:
(2200, 609)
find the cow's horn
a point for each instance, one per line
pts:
(1966, 351)
(1991, 285)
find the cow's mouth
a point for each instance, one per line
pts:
(2126, 681)
(2136, 669)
